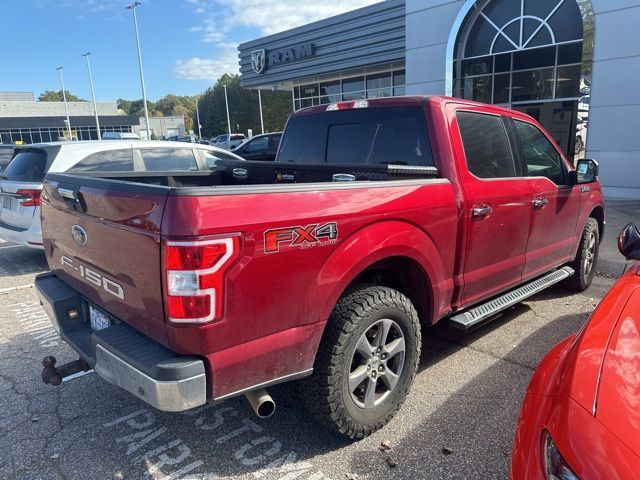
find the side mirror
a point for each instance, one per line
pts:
(587, 171)
(629, 242)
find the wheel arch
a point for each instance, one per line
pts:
(391, 253)
(597, 213)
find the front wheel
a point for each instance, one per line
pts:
(586, 258)
(366, 362)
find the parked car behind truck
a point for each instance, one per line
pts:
(259, 147)
(6, 152)
(377, 216)
(21, 181)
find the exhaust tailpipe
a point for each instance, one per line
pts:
(261, 402)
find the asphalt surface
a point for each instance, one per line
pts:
(458, 421)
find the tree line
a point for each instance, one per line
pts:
(244, 111)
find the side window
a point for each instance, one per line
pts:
(486, 145)
(212, 157)
(274, 141)
(169, 159)
(543, 160)
(107, 161)
(258, 144)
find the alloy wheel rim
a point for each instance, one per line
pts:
(590, 256)
(377, 363)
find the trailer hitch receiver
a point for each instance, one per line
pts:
(52, 375)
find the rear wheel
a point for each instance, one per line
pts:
(366, 363)
(586, 258)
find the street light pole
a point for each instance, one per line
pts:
(93, 95)
(198, 118)
(133, 7)
(260, 103)
(64, 99)
(226, 101)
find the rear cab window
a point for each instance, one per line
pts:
(377, 135)
(27, 166)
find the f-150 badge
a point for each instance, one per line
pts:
(314, 235)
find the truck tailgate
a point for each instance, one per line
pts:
(103, 239)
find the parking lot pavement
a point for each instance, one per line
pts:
(458, 421)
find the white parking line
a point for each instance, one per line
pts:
(13, 289)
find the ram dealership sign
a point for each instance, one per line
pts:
(261, 59)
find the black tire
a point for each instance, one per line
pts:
(326, 392)
(586, 258)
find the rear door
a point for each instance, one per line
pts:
(103, 238)
(554, 204)
(496, 208)
(21, 184)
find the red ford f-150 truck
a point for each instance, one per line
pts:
(377, 217)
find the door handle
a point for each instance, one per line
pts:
(482, 211)
(67, 193)
(540, 203)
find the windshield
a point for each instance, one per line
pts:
(389, 135)
(27, 166)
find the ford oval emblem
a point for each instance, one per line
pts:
(79, 235)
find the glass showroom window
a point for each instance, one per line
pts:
(518, 51)
(375, 85)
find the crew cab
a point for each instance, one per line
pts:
(378, 216)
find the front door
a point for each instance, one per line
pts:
(555, 202)
(496, 209)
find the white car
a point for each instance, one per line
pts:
(228, 141)
(21, 181)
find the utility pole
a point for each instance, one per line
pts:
(198, 118)
(93, 95)
(226, 101)
(260, 103)
(133, 7)
(64, 99)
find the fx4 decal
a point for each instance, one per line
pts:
(315, 235)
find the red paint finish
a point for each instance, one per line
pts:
(618, 405)
(586, 393)
(299, 250)
(124, 247)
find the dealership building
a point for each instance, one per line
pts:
(23, 120)
(574, 65)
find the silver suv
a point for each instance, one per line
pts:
(21, 181)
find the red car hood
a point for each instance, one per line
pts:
(601, 370)
(618, 400)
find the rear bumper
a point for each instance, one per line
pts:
(123, 356)
(28, 237)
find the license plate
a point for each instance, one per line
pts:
(99, 321)
(6, 202)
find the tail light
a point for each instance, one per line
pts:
(29, 198)
(195, 278)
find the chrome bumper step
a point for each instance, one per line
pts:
(476, 315)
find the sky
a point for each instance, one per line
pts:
(186, 44)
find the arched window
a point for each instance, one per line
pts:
(532, 55)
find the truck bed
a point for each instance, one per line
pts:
(229, 172)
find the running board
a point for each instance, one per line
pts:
(469, 318)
